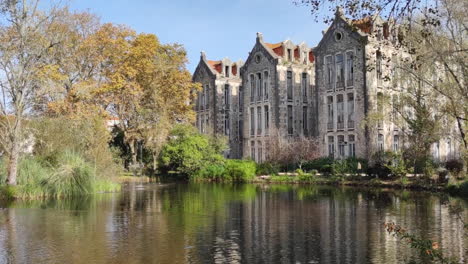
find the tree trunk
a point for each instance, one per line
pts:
(13, 159)
(133, 151)
(155, 163)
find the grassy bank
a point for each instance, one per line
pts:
(456, 188)
(68, 175)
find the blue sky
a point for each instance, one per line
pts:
(221, 28)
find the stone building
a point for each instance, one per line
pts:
(278, 92)
(333, 93)
(350, 72)
(218, 106)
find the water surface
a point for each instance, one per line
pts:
(207, 223)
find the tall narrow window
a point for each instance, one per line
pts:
(252, 121)
(340, 109)
(380, 101)
(378, 67)
(289, 87)
(339, 71)
(260, 152)
(202, 125)
(252, 88)
(207, 96)
(226, 71)
(330, 120)
(351, 146)
(241, 99)
(437, 151)
(290, 120)
(305, 57)
(289, 55)
(304, 86)
(305, 123)
(252, 150)
(331, 146)
(349, 68)
(241, 127)
(259, 86)
(259, 120)
(350, 106)
(267, 119)
(226, 125)
(227, 95)
(266, 84)
(380, 142)
(329, 72)
(341, 146)
(395, 107)
(396, 143)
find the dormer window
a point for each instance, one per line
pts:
(305, 57)
(289, 55)
(226, 70)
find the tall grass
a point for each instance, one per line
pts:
(70, 176)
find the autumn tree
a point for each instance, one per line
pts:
(25, 48)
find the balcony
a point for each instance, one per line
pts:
(350, 124)
(330, 126)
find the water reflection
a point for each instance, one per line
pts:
(190, 223)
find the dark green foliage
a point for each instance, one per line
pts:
(228, 171)
(268, 168)
(211, 172)
(240, 170)
(460, 189)
(188, 151)
(455, 166)
(379, 167)
(322, 165)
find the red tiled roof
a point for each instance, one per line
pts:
(234, 69)
(216, 65)
(311, 56)
(297, 56)
(277, 48)
(364, 24)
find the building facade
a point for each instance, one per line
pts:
(334, 93)
(277, 82)
(218, 106)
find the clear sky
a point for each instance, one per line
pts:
(221, 28)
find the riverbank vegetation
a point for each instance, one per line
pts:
(79, 98)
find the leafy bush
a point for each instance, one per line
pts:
(188, 151)
(240, 170)
(459, 189)
(268, 168)
(213, 172)
(87, 137)
(380, 161)
(455, 166)
(323, 165)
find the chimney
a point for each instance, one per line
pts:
(259, 37)
(202, 55)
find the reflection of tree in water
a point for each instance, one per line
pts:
(211, 223)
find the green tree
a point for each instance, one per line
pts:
(187, 151)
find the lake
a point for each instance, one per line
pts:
(211, 223)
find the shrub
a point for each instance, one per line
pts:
(188, 151)
(73, 176)
(455, 166)
(240, 170)
(213, 172)
(323, 165)
(268, 168)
